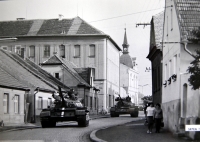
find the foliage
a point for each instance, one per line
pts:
(147, 99)
(196, 35)
(194, 70)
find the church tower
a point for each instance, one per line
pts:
(125, 44)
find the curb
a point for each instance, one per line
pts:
(94, 138)
(35, 127)
(93, 133)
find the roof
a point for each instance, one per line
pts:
(158, 21)
(50, 27)
(127, 60)
(8, 81)
(27, 72)
(189, 16)
(69, 66)
(41, 27)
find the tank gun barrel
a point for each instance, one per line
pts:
(61, 95)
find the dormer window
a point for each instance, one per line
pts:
(57, 76)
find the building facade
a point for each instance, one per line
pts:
(128, 73)
(73, 40)
(179, 102)
(155, 56)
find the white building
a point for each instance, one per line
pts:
(180, 104)
(128, 73)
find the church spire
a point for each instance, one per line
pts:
(125, 44)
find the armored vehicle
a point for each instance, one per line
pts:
(124, 106)
(65, 108)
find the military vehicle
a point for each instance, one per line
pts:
(124, 106)
(65, 108)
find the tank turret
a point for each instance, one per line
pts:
(66, 107)
(124, 106)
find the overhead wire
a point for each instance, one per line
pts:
(98, 20)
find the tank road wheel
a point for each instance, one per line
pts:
(112, 114)
(52, 123)
(83, 122)
(134, 114)
(116, 115)
(44, 124)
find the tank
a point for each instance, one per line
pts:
(66, 107)
(124, 106)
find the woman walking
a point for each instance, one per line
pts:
(158, 115)
(150, 117)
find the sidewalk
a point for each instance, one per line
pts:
(16, 126)
(134, 131)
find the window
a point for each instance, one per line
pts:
(5, 103)
(165, 72)
(95, 103)
(32, 51)
(62, 51)
(5, 48)
(110, 101)
(171, 20)
(57, 75)
(46, 51)
(90, 102)
(92, 50)
(18, 50)
(40, 102)
(77, 51)
(16, 103)
(170, 66)
(49, 102)
(175, 64)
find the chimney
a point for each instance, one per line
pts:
(60, 17)
(20, 19)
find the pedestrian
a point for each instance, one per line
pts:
(150, 117)
(158, 116)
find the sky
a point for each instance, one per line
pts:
(109, 16)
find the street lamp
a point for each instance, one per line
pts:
(143, 86)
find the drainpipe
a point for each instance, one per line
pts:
(185, 42)
(33, 119)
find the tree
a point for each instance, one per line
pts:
(196, 35)
(194, 69)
